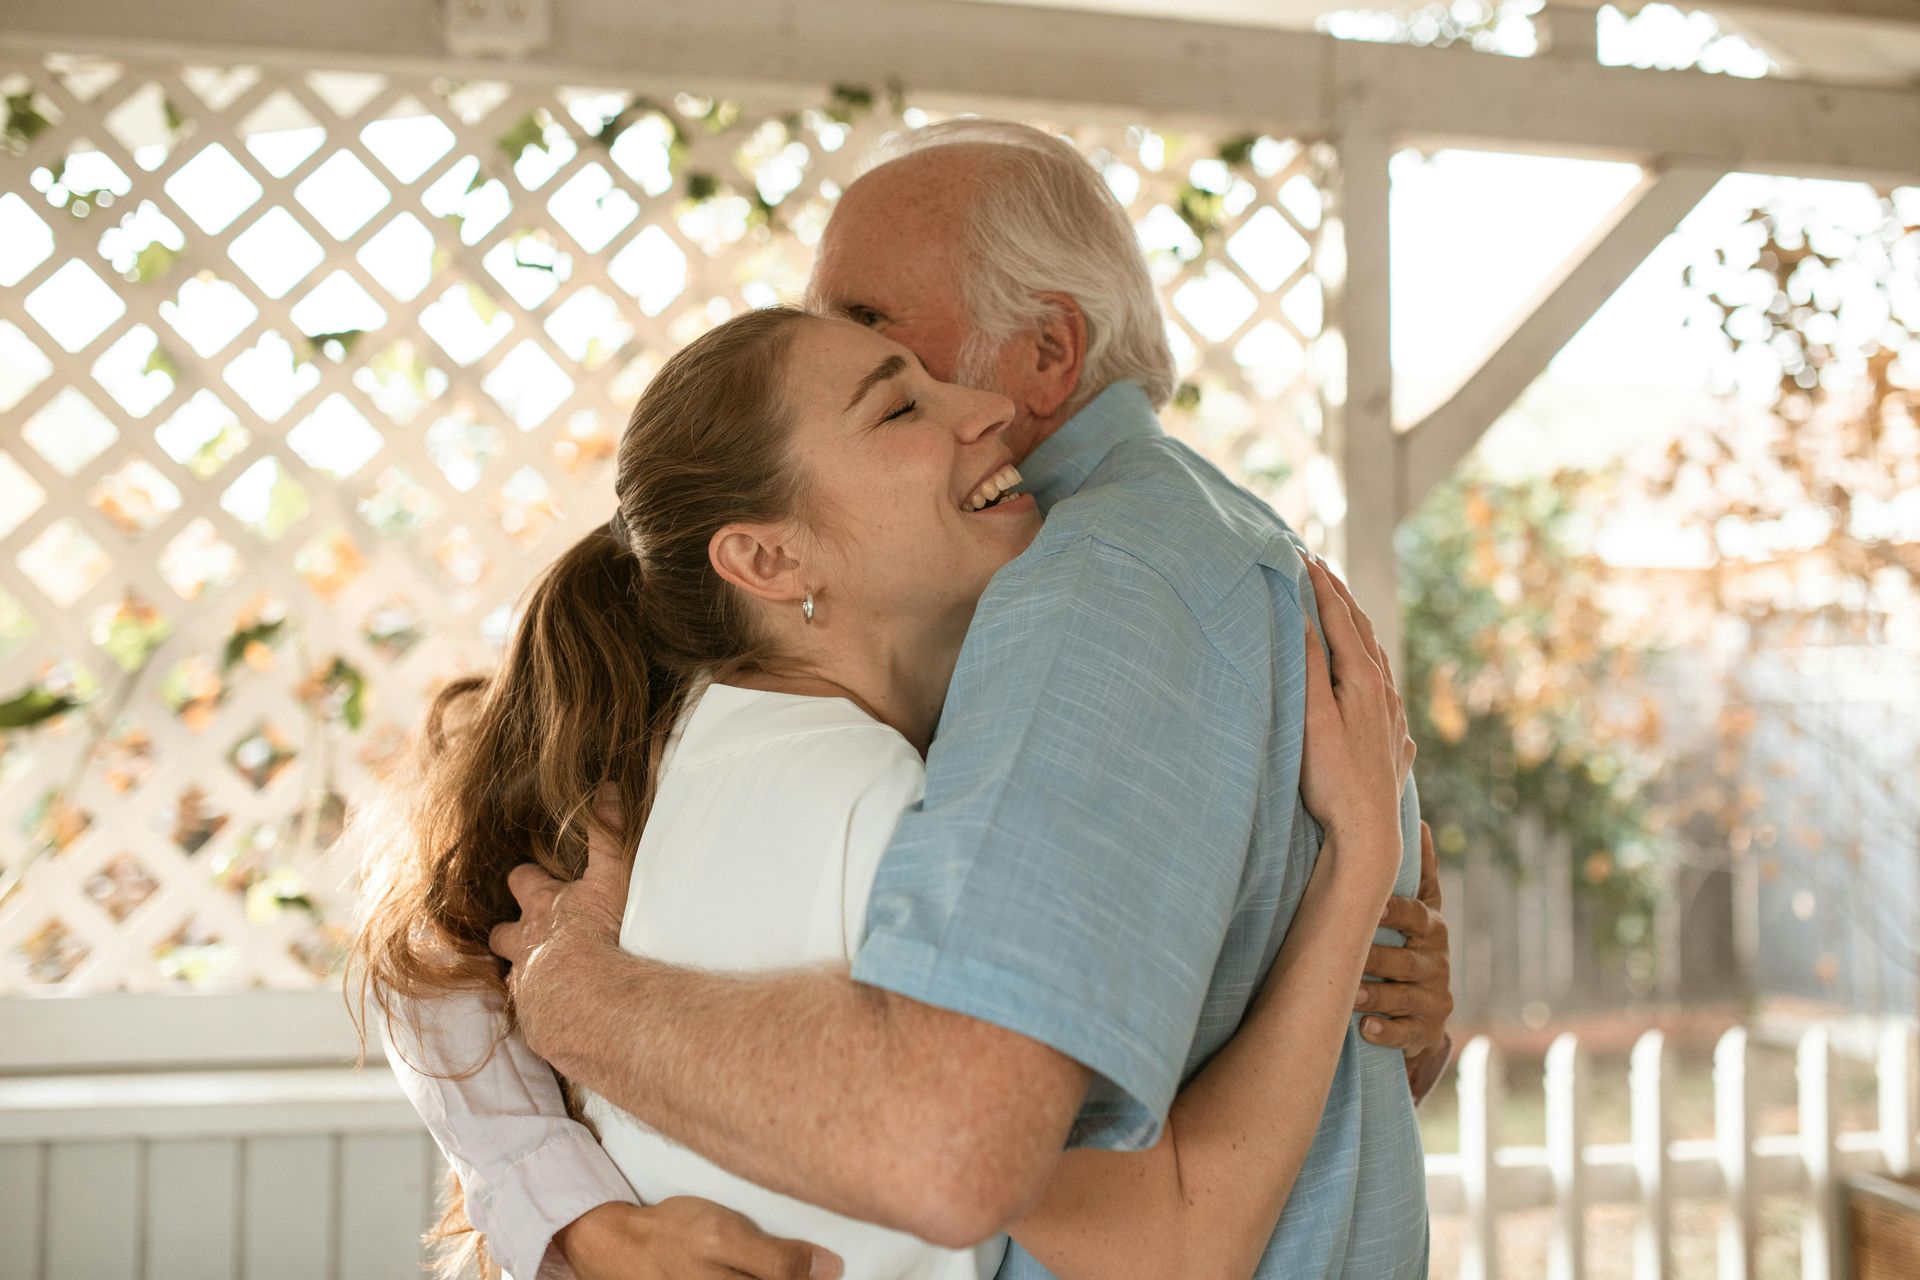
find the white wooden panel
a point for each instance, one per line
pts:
(23, 1173)
(93, 1211)
(1733, 1124)
(119, 1030)
(287, 1231)
(192, 1104)
(1895, 1063)
(1482, 1081)
(1819, 1224)
(1567, 1087)
(382, 1185)
(193, 1210)
(1649, 1080)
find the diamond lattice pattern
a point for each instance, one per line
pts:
(306, 374)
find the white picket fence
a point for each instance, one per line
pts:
(1654, 1171)
(218, 1138)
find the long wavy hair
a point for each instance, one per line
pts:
(614, 636)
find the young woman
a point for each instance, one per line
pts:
(760, 641)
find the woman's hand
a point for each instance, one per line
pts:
(685, 1238)
(1357, 752)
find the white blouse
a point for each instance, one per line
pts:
(771, 816)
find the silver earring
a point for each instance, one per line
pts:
(806, 608)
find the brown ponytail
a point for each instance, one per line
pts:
(614, 636)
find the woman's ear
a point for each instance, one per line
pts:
(760, 559)
(1054, 355)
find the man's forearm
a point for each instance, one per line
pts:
(809, 1084)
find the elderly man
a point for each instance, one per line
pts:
(1029, 980)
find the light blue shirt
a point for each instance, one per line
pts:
(1112, 843)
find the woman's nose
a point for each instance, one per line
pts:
(990, 414)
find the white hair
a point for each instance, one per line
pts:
(1045, 222)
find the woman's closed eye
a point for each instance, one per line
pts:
(905, 408)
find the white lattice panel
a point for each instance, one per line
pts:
(304, 375)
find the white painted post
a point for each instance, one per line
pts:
(1895, 1069)
(1733, 1114)
(1648, 1084)
(1481, 1083)
(1819, 1237)
(1361, 437)
(1566, 1140)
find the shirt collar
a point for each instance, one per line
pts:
(1061, 463)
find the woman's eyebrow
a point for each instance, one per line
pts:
(881, 372)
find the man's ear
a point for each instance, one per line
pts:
(760, 559)
(1054, 356)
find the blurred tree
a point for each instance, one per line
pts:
(1517, 698)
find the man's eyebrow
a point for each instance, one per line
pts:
(881, 372)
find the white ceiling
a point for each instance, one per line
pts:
(1803, 35)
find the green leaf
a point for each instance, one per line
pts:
(158, 361)
(153, 262)
(175, 121)
(848, 103)
(318, 343)
(1204, 211)
(33, 705)
(702, 186)
(264, 632)
(24, 122)
(722, 115)
(297, 901)
(1239, 151)
(525, 132)
(1187, 397)
(343, 674)
(483, 306)
(133, 634)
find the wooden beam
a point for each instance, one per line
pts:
(1846, 10)
(1360, 421)
(1456, 98)
(1037, 60)
(1433, 447)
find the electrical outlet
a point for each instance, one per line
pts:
(496, 28)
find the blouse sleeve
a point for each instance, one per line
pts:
(527, 1168)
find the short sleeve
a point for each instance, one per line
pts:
(1074, 866)
(897, 780)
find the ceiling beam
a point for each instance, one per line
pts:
(1591, 274)
(1853, 10)
(1070, 64)
(1906, 11)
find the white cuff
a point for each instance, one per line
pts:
(542, 1192)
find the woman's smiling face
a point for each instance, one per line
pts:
(898, 467)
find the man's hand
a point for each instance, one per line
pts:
(559, 921)
(1409, 1009)
(685, 1239)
